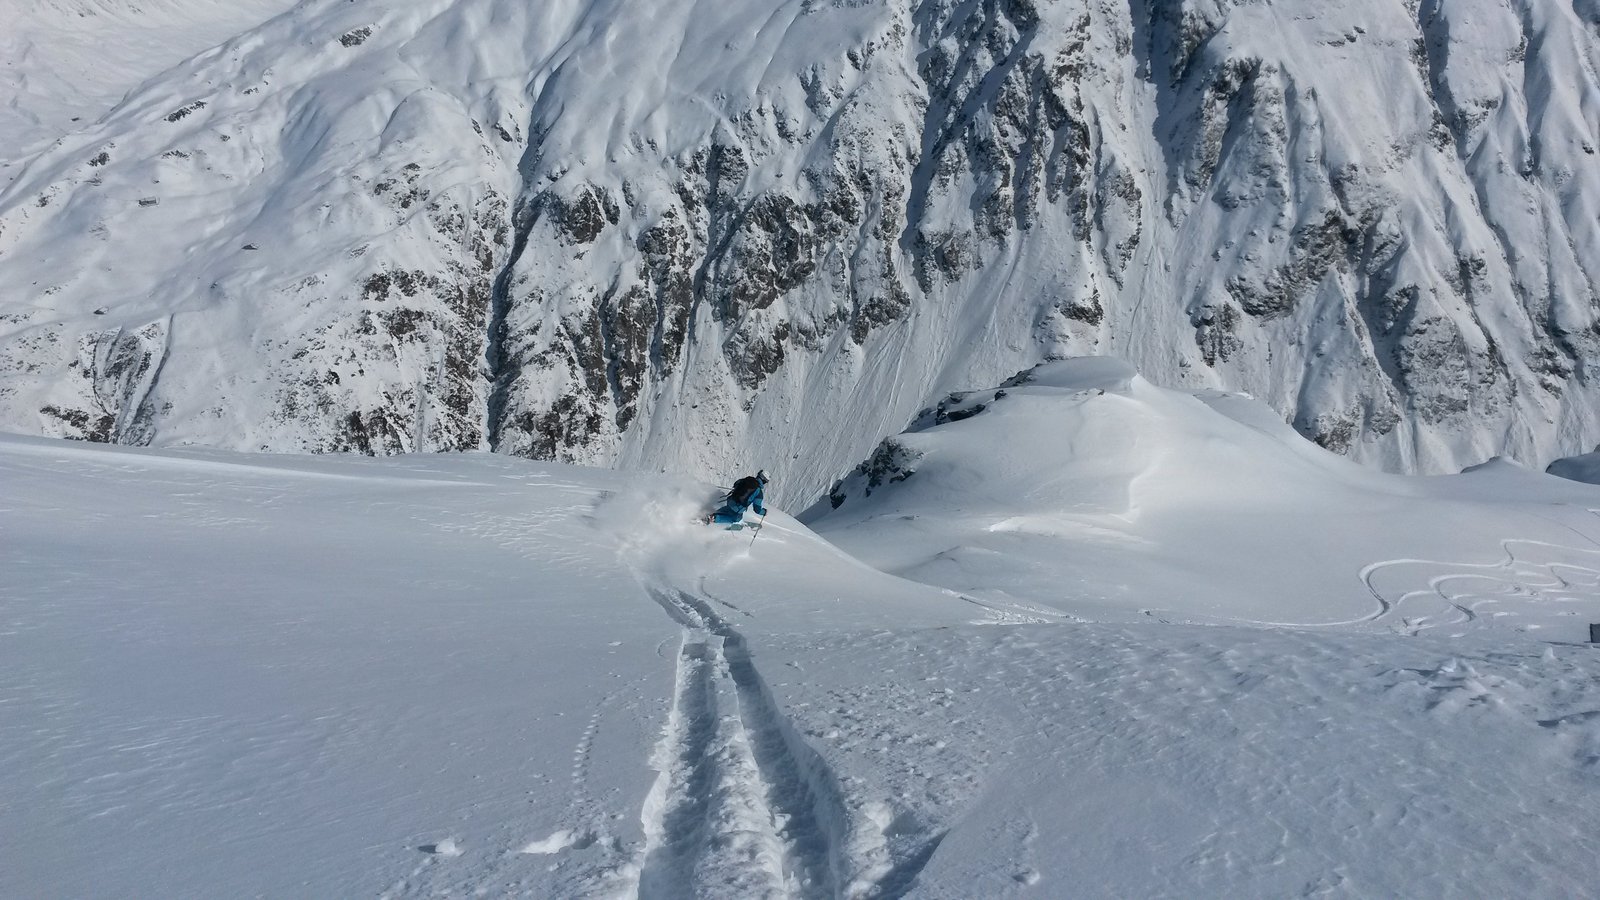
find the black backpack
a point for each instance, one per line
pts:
(744, 489)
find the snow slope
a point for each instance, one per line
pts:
(266, 675)
(463, 674)
(67, 62)
(708, 233)
(1083, 490)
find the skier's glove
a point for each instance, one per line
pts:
(761, 510)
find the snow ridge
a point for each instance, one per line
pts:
(1106, 474)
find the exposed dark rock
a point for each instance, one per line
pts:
(402, 324)
(95, 427)
(1085, 309)
(890, 463)
(1316, 248)
(1217, 332)
(628, 327)
(666, 269)
(565, 425)
(881, 307)
(406, 187)
(581, 217)
(115, 374)
(186, 111)
(377, 286)
(371, 434)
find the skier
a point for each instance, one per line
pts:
(746, 494)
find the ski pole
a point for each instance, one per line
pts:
(757, 533)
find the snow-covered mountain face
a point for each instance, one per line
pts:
(723, 234)
(68, 61)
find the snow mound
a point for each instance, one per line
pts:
(1078, 488)
(1092, 373)
(446, 848)
(1584, 467)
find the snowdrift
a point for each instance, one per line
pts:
(1079, 488)
(1584, 467)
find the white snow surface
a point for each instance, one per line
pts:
(1202, 658)
(1106, 497)
(65, 63)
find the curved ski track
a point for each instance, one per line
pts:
(1458, 593)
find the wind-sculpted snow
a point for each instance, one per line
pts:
(1583, 467)
(1052, 496)
(724, 232)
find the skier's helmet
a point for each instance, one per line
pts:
(761, 475)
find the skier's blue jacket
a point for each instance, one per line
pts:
(733, 509)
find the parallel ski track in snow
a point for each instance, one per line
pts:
(744, 807)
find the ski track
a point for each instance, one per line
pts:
(998, 613)
(1426, 593)
(744, 807)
